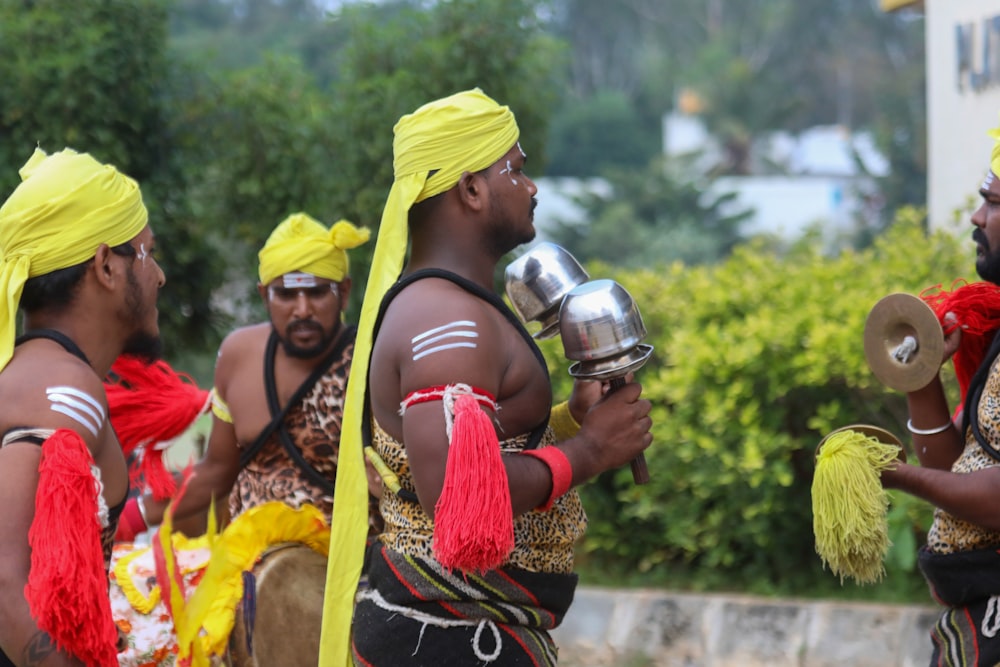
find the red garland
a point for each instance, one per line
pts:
(473, 517)
(67, 589)
(150, 404)
(976, 307)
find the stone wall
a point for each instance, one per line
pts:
(661, 629)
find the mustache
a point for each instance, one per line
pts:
(534, 203)
(303, 325)
(980, 237)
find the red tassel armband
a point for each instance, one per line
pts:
(559, 467)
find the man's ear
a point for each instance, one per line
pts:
(344, 290)
(471, 190)
(103, 268)
(262, 290)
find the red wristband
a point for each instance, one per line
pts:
(559, 467)
(130, 523)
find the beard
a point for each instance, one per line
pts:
(143, 344)
(504, 236)
(313, 351)
(987, 264)
(146, 346)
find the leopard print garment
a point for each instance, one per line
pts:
(314, 426)
(543, 541)
(949, 534)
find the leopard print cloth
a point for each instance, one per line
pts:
(949, 534)
(543, 541)
(314, 426)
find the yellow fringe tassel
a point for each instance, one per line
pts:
(850, 505)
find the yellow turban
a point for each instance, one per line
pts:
(67, 205)
(300, 243)
(995, 155)
(432, 148)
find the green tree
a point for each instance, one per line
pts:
(660, 214)
(597, 133)
(403, 54)
(93, 76)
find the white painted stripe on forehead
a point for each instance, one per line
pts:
(451, 325)
(77, 405)
(298, 279)
(441, 348)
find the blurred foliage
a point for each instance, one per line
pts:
(598, 133)
(662, 214)
(753, 66)
(93, 76)
(755, 360)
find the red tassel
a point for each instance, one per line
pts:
(67, 589)
(150, 404)
(473, 518)
(977, 309)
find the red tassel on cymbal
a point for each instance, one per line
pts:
(67, 589)
(473, 518)
(151, 404)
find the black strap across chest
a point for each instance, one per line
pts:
(279, 412)
(535, 437)
(56, 336)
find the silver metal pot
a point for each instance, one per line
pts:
(537, 281)
(602, 331)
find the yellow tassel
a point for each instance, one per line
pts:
(850, 505)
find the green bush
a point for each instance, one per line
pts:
(755, 360)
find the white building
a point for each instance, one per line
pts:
(963, 97)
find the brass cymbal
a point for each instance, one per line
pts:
(904, 342)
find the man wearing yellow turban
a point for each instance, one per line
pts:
(475, 563)
(959, 466)
(279, 390)
(76, 257)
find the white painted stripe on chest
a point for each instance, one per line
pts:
(77, 405)
(445, 337)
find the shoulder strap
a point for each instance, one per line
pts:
(278, 414)
(56, 336)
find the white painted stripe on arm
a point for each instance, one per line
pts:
(427, 342)
(441, 348)
(436, 330)
(77, 405)
(450, 334)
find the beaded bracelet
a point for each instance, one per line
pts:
(559, 467)
(929, 431)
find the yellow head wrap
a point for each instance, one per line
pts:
(995, 155)
(300, 243)
(67, 205)
(432, 148)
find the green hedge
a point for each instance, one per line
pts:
(755, 360)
